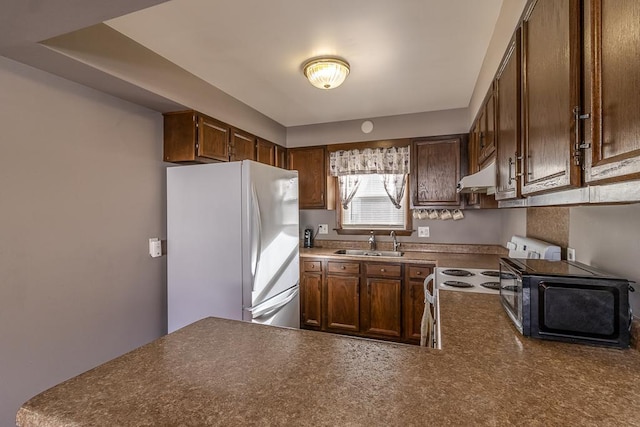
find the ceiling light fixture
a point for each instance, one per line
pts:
(326, 72)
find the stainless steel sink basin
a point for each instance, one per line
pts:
(360, 252)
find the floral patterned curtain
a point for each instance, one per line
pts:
(394, 185)
(392, 164)
(394, 160)
(348, 186)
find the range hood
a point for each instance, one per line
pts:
(483, 181)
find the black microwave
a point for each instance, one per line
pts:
(566, 301)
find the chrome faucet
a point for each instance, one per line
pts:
(396, 245)
(372, 241)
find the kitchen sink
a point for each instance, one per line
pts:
(360, 252)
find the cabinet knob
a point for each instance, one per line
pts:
(343, 267)
(419, 273)
(382, 270)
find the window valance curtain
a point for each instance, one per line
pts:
(394, 160)
(392, 164)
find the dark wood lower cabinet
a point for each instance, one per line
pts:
(382, 308)
(414, 301)
(311, 300)
(370, 299)
(343, 303)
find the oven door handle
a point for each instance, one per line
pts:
(428, 297)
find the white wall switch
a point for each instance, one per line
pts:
(155, 247)
(323, 229)
(571, 254)
(423, 231)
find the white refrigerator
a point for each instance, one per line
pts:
(232, 244)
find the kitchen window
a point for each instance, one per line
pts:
(371, 206)
(372, 184)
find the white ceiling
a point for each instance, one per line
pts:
(406, 56)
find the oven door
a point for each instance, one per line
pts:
(512, 296)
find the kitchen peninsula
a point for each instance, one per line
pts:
(222, 372)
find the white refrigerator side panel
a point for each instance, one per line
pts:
(270, 232)
(204, 252)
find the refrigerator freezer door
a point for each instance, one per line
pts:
(281, 310)
(270, 235)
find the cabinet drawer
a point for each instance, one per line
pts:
(312, 266)
(383, 270)
(418, 272)
(343, 267)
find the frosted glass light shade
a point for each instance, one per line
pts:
(326, 73)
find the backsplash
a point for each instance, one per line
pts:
(414, 247)
(550, 224)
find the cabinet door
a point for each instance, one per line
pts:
(435, 171)
(487, 134)
(312, 176)
(614, 71)
(382, 308)
(280, 157)
(213, 139)
(343, 303)
(508, 123)
(311, 300)
(551, 42)
(243, 146)
(414, 309)
(413, 305)
(265, 152)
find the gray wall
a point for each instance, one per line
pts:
(391, 127)
(477, 227)
(608, 237)
(81, 191)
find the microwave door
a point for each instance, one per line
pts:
(513, 298)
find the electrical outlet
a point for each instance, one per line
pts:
(423, 231)
(323, 229)
(571, 254)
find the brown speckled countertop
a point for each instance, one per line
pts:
(222, 372)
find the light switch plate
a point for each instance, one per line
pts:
(323, 229)
(155, 247)
(571, 254)
(423, 231)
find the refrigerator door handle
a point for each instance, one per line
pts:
(268, 309)
(256, 235)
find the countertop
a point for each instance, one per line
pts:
(223, 372)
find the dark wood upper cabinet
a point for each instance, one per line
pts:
(436, 169)
(191, 137)
(612, 81)
(280, 157)
(507, 92)
(551, 91)
(265, 152)
(487, 141)
(311, 164)
(243, 146)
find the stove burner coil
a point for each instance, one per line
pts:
(491, 285)
(493, 273)
(457, 284)
(457, 273)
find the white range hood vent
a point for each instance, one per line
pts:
(483, 181)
